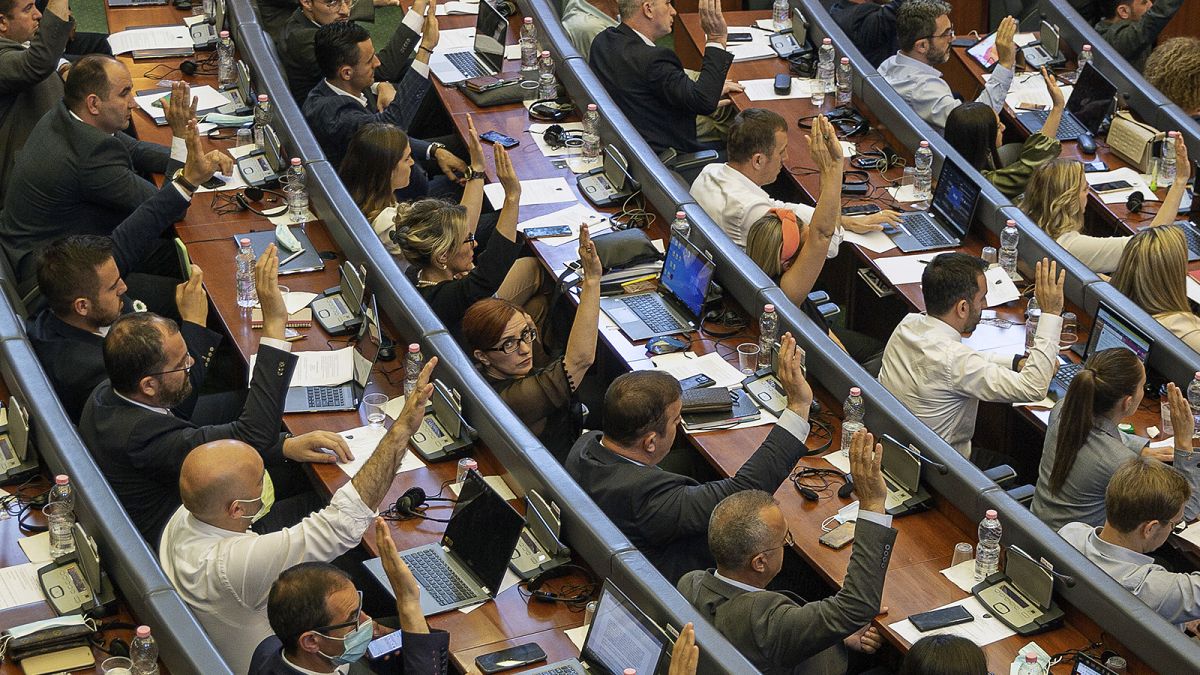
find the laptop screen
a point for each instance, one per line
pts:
(901, 465)
(686, 275)
(366, 349)
(1112, 332)
(483, 533)
(622, 636)
(984, 51)
(1092, 98)
(491, 33)
(955, 197)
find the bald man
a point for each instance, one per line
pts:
(224, 571)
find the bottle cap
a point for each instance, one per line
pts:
(224, 34)
(414, 348)
(855, 391)
(61, 479)
(296, 161)
(263, 98)
(143, 632)
(1172, 134)
(1198, 374)
(827, 41)
(680, 215)
(768, 308)
(1030, 657)
(244, 241)
(845, 60)
(1010, 223)
(924, 144)
(592, 107)
(629, 671)
(528, 20)
(991, 513)
(1087, 48)
(545, 53)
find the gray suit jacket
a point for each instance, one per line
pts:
(780, 633)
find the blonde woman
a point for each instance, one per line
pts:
(1056, 199)
(1174, 69)
(1153, 274)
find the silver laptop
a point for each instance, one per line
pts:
(487, 57)
(950, 214)
(621, 637)
(345, 396)
(468, 565)
(678, 303)
(1109, 331)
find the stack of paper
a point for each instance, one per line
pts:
(173, 38)
(764, 90)
(363, 441)
(572, 216)
(683, 365)
(759, 46)
(207, 100)
(320, 369)
(905, 269)
(457, 7)
(538, 191)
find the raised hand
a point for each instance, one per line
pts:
(180, 108)
(414, 404)
(404, 585)
(201, 165)
(865, 459)
(270, 297)
(1056, 95)
(791, 376)
(1181, 417)
(190, 298)
(430, 32)
(1006, 48)
(685, 656)
(1183, 167)
(712, 21)
(474, 145)
(1048, 286)
(588, 258)
(507, 175)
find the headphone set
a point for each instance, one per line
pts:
(845, 121)
(557, 137)
(571, 594)
(551, 109)
(877, 159)
(810, 482)
(248, 200)
(412, 504)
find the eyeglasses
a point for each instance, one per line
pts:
(509, 345)
(356, 622)
(788, 542)
(187, 370)
(1172, 524)
(948, 33)
(470, 239)
(334, 4)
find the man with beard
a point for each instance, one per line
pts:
(940, 379)
(140, 444)
(924, 33)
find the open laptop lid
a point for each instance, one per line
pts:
(1112, 331)
(622, 636)
(1092, 98)
(686, 275)
(366, 349)
(483, 534)
(491, 36)
(955, 198)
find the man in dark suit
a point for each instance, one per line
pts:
(140, 445)
(319, 623)
(648, 82)
(870, 25)
(779, 632)
(665, 514)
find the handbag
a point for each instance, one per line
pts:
(1133, 141)
(502, 95)
(619, 249)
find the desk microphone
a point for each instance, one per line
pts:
(941, 468)
(1066, 578)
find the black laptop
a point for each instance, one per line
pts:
(1090, 103)
(1109, 331)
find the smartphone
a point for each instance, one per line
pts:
(940, 618)
(513, 657)
(839, 536)
(696, 382)
(500, 139)
(548, 231)
(740, 37)
(185, 261)
(1112, 186)
(385, 645)
(1095, 166)
(860, 210)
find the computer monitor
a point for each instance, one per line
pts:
(1112, 331)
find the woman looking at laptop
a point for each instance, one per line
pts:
(1056, 199)
(975, 131)
(500, 337)
(1152, 273)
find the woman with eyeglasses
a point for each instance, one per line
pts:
(437, 239)
(500, 336)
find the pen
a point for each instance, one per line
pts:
(290, 258)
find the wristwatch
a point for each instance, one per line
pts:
(472, 173)
(183, 182)
(433, 148)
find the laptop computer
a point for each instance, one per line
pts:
(1090, 103)
(901, 466)
(678, 303)
(1109, 331)
(468, 565)
(949, 217)
(487, 57)
(621, 637)
(345, 396)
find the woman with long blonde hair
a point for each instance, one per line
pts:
(1153, 274)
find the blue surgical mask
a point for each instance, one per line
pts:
(354, 644)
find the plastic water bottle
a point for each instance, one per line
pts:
(987, 553)
(591, 133)
(781, 15)
(680, 227)
(768, 329)
(262, 117)
(547, 82)
(1031, 665)
(826, 65)
(1193, 394)
(209, 8)
(1009, 238)
(923, 172)
(1166, 166)
(62, 531)
(845, 81)
(226, 72)
(296, 189)
(247, 296)
(529, 50)
(295, 174)
(1033, 313)
(143, 651)
(854, 414)
(413, 363)
(1085, 57)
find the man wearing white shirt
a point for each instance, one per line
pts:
(924, 31)
(940, 379)
(224, 571)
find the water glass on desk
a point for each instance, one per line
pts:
(373, 404)
(748, 357)
(116, 665)
(1070, 330)
(962, 553)
(990, 256)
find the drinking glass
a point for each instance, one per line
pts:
(116, 665)
(962, 553)
(748, 357)
(1070, 330)
(990, 256)
(374, 403)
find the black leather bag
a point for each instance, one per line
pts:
(619, 249)
(509, 93)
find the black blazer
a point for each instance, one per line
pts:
(650, 87)
(141, 451)
(665, 514)
(334, 117)
(423, 654)
(72, 178)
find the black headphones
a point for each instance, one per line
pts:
(551, 109)
(845, 121)
(557, 137)
(811, 493)
(876, 160)
(253, 194)
(1135, 201)
(412, 504)
(582, 592)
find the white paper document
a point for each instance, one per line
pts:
(1030, 88)
(363, 441)
(510, 579)
(905, 194)
(759, 46)
(764, 90)
(1193, 290)
(1137, 180)
(457, 7)
(207, 99)
(19, 585)
(393, 407)
(982, 631)
(872, 241)
(682, 365)
(905, 269)
(538, 130)
(533, 192)
(962, 575)
(455, 40)
(37, 547)
(577, 635)
(495, 482)
(1000, 287)
(151, 37)
(296, 301)
(572, 216)
(989, 337)
(320, 368)
(512, 53)
(1192, 533)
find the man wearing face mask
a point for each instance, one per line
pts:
(320, 627)
(140, 443)
(224, 571)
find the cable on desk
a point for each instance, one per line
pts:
(16, 504)
(574, 595)
(633, 213)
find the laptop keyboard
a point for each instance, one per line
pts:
(1193, 237)
(466, 63)
(1066, 373)
(922, 227)
(326, 397)
(437, 578)
(650, 309)
(1068, 128)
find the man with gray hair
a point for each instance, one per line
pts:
(778, 632)
(924, 33)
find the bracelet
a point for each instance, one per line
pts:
(426, 49)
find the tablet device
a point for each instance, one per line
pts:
(984, 52)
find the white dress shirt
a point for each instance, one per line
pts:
(942, 381)
(922, 87)
(735, 202)
(225, 576)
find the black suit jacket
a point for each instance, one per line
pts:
(72, 178)
(141, 451)
(870, 26)
(665, 514)
(334, 117)
(423, 654)
(650, 87)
